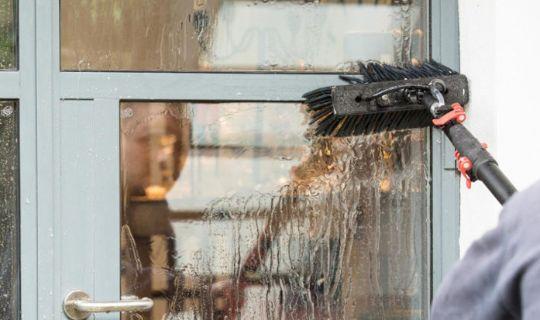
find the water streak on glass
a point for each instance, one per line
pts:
(8, 35)
(239, 35)
(235, 211)
(9, 212)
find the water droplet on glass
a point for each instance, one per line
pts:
(126, 113)
(6, 111)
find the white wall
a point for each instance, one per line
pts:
(500, 53)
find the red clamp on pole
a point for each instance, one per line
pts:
(464, 165)
(457, 114)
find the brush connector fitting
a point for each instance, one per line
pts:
(457, 114)
(436, 89)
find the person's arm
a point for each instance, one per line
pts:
(530, 291)
(471, 283)
(499, 277)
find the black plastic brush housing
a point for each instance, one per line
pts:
(383, 97)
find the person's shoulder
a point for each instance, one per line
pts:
(524, 202)
(521, 214)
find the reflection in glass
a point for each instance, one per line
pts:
(9, 212)
(241, 35)
(8, 35)
(234, 211)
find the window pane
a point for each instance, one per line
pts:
(230, 200)
(239, 35)
(9, 212)
(8, 35)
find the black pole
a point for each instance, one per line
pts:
(495, 181)
(484, 168)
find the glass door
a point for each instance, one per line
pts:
(232, 210)
(188, 175)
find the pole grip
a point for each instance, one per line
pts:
(484, 168)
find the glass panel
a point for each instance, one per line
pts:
(8, 35)
(9, 212)
(233, 210)
(239, 35)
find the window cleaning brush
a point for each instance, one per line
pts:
(383, 97)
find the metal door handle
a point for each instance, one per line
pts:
(78, 306)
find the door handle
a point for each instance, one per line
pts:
(79, 306)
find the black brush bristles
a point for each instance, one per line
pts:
(326, 122)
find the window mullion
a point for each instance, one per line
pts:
(192, 86)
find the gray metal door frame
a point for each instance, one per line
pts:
(51, 101)
(445, 184)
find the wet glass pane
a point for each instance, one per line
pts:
(234, 211)
(8, 35)
(9, 212)
(239, 35)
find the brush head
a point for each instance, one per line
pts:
(383, 98)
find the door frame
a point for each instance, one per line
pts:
(41, 89)
(445, 186)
